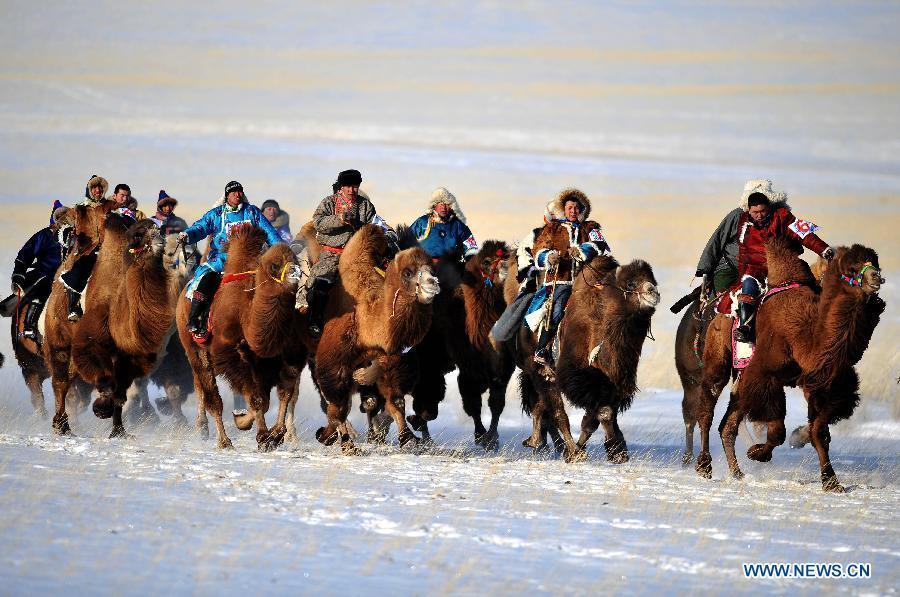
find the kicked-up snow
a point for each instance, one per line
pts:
(167, 512)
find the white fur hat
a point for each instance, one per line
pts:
(442, 195)
(764, 186)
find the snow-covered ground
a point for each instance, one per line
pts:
(169, 513)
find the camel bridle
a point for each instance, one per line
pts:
(490, 274)
(858, 279)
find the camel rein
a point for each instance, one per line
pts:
(857, 280)
(279, 279)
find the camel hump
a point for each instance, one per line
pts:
(784, 263)
(365, 251)
(246, 237)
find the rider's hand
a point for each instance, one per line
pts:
(182, 237)
(828, 254)
(553, 257)
(18, 282)
(577, 254)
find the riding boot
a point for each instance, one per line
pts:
(318, 299)
(197, 316)
(32, 314)
(745, 331)
(75, 311)
(543, 354)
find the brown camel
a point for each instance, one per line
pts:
(477, 300)
(810, 340)
(89, 229)
(600, 340)
(120, 337)
(252, 342)
(393, 312)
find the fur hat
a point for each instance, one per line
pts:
(442, 195)
(57, 212)
(93, 181)
(349, 178)
(164, 198)
(764, 187)
(556, 209)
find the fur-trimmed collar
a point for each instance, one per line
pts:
(221, 201)
(442, 195)
(556, 209)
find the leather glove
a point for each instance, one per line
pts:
(577, 254)
(18, 282)
(553, 257)
(828, 254)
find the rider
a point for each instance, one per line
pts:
(165, 217)
(231, 211)
(126, 205)
(336, 219)
(737, 249)
(34, 267)
(443, 230)
(76, 278)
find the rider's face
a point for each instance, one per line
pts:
(442, 210)
(234, 198)
(573, 211)
(96, 191)
(122, 197)
(758, 213)
(350, 192)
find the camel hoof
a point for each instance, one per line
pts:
(61, 425)
(416, 422)
(759, 453)
(406, 437)
(737, 474)
(704, 466)
(831, 484)
(575, 455)
(119, 432)
(536, 445)
(103, 408)
(799, 437)
(349, 449)
(268, 441)
(376, 436)
(616, 451)
(326, 435)
(490, 441)
(687, 458)
(620, 457)
(225, 443)
(203, 431)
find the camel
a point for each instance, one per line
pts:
(809, 339)
(89, 230)
(477, 301)
(393, 312)
(252, 343)
(600, 340)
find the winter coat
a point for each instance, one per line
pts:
(721, 251)
(219, 222)
(331, 231)
(752, 240)
(282, 224)
(170, 224)
(42, 253)
(558, 234)
(439, 238)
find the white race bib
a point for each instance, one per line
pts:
(596, 236)
(470, 243)
(802, 228)
(230, 227)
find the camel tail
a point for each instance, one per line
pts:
(685, 300)
(244, 419)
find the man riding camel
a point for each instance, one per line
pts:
(76, 278)
(737, 249)
(232, 211)
(35, 265)
(553, 254)
(336, 219)
(443, 230)
(126, 205)
(165, 217)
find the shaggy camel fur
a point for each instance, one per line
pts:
(253, 325)
(810, 340)
(478, 301)
(600, 340)
(89, 231)
(393, 313)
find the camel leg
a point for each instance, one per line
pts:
(538, 429)
(396, 405)
(372, 404)
(118, 428)
(259, 403)
(775, 436)
(290, 419)
(688, 406)
(615, 446)
(61, 386)
(821, 439)
(589, 424)
(470, 391)
(496, 402)
(33, 381)
(175, 399)
(573, 453)
(209, 401)
(728, 430)
(336, 412)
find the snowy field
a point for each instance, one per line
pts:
(168, 513)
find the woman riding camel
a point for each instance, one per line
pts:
(336, 219)
(230, 212)
(741, 237)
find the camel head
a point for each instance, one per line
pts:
(179, 257)
(411, 268)
(280, 264)
(491, 263)
(857, 266)
(635, 281)
(144, 239)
